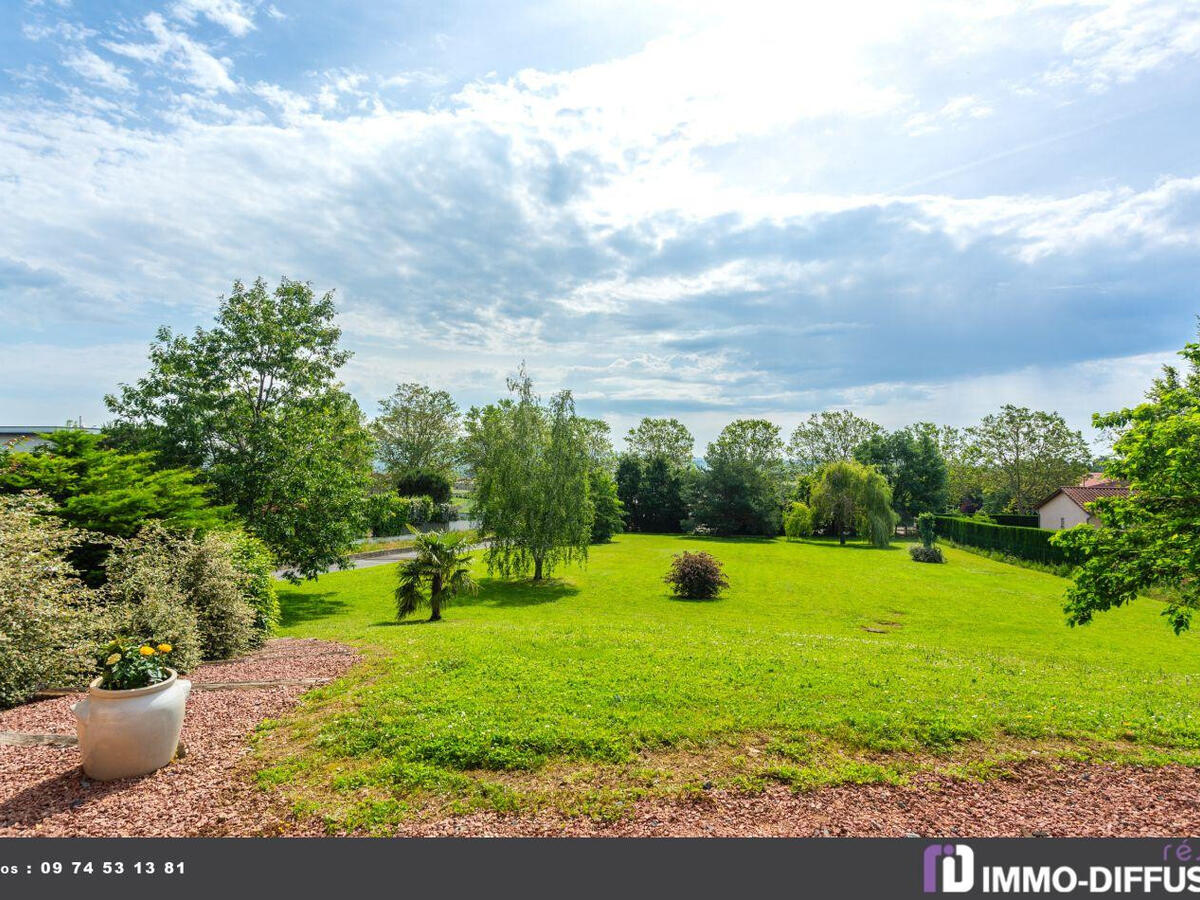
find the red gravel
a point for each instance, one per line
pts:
(43, 791)
(1075, 800)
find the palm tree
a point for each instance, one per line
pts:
(442, 563)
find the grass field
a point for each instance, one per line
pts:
(820, 664)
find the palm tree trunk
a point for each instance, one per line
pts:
(435, 599)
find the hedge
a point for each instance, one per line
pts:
(389, 515)
(1018, 521)
(1026, 543)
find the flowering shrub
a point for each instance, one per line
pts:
(696, 576)
(125, 664)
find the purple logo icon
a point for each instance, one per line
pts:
(954, 863)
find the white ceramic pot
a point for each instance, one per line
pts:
(132, 732)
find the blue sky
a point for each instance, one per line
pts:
(918, 211)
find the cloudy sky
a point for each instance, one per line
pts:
(919, 211)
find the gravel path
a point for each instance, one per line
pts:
(43, 791)
(1039, 800)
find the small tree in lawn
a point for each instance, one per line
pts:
(531, 465)
(441, 570)
(927, 552)
(798, 521)
(849, 494)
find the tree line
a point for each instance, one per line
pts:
(248, 418)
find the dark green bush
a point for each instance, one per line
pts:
(1017, 521)
(926, 554)
(438, 486)
(1025, 543)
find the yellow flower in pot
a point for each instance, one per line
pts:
(129, 723)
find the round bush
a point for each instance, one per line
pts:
(926, 554)
(696, 576)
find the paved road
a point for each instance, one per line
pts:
(384, 558)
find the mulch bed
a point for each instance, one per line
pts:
(43, 791)
(1038, 800)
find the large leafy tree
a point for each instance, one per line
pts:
(439, 572)
(531, 463)
(1150, 538)
(850, 494)
(417, 430)
(964, 474)
(1027, 454)
(739, 490)
(661, 501)
(829, 436)
(254, 403)
(608, 514)
(667, 439)
(912, 463)
(651, 494)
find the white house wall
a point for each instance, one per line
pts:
(1063, 512)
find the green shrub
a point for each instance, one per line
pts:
(255, 565)
(213, 587)
(1025, 543)
(389, 514)
(798, 521)
(145, 597)
(924, 554)
(696, 576)
(438, 486)
(927, 529)
(49, 625)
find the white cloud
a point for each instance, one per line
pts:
(953, 111)
(185, 55)
(98, 70)
(689, 228)
(232, 15)
(1121, 40)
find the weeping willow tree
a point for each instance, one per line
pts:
(850, 494)
(531, 463)
(441, 570)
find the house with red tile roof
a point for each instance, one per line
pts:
(1067, 507)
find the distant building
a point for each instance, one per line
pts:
(25, 437)
(1065, 508)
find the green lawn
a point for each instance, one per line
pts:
(820, 664)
